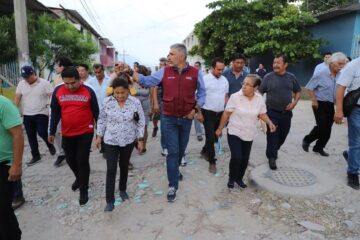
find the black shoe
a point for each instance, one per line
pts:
(124, 196)
(109, 207)
(231, 184)
(155, 129)
(171, 196)
(52, 150)
(17, 202)
(181, 177)
(305, 146)
(241, 184)
(84, 197)
(272, 164)
(75, 186)
(321, 152)
(346, 155)
(199, 138)
(59, 160)
(353, 181)
(33, 161)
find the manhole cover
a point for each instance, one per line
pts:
(293, 177)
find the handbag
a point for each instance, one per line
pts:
(350, 101)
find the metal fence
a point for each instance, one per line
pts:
(10, 74)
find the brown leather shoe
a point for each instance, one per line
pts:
(212, 168)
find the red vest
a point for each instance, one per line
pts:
(179, 91)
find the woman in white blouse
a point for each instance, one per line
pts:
(243, 110)
(121, 122)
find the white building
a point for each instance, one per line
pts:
(189, 42)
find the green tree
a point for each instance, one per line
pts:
(244, 26)
(316, 6)
(8, 49)
(287, 33)
(48, 38)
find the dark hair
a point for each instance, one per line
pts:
(70, 72)
(255, 78)
(136, 63)
(238, 56)
(120, 82)
(198, 63)
(98, 65)
(163, 59)
(283, 56)
(327, 53)
(143, 70)
(216, 60)
(84, 66)
(64, 61)
(349, 58)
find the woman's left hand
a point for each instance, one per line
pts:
(272, 127)
(140, 146)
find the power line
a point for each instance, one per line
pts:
(91, 17)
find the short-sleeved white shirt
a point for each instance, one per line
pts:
(35, 97)
(215, 89)
(245, 112)
(350, 76)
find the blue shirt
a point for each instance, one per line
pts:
(324, 85)
(156, 78)
(234, 83)
(350, 76)
(100, 90)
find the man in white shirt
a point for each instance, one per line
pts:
(33, 95)
(83, 70)
(217, 89)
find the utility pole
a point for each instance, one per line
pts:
(21, 31)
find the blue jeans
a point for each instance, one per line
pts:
(198, 127)
(354, 141)
(162, 135)
(176, 131)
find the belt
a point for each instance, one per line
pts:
(282, 112)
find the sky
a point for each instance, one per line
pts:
(143, 29)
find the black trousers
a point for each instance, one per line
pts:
(240, 153)
(115, 155)
(9, 226)
(77, 151)
(211, 123)
(324, 117)
(36, 124)
(282, 121)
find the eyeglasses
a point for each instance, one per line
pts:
(246, 84)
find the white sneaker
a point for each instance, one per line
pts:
(164, 152)
(183, 161)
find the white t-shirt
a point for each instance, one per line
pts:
(35, 97)
(215, 89)
(245, 112)
(350, 76)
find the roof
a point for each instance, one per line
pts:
(78, 17)
(7, 6)
(338, 11)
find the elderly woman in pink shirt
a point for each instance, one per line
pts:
(243, 110)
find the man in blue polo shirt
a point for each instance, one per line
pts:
(236, 73)
(322, 92)
(11, 153)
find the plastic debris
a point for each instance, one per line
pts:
(137, 199)
(217, 174)
(159, 193)
(62, 205)
(117, 202)
(143, 185)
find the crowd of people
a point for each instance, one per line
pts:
(116, 111)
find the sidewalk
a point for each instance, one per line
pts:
(204, 209)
